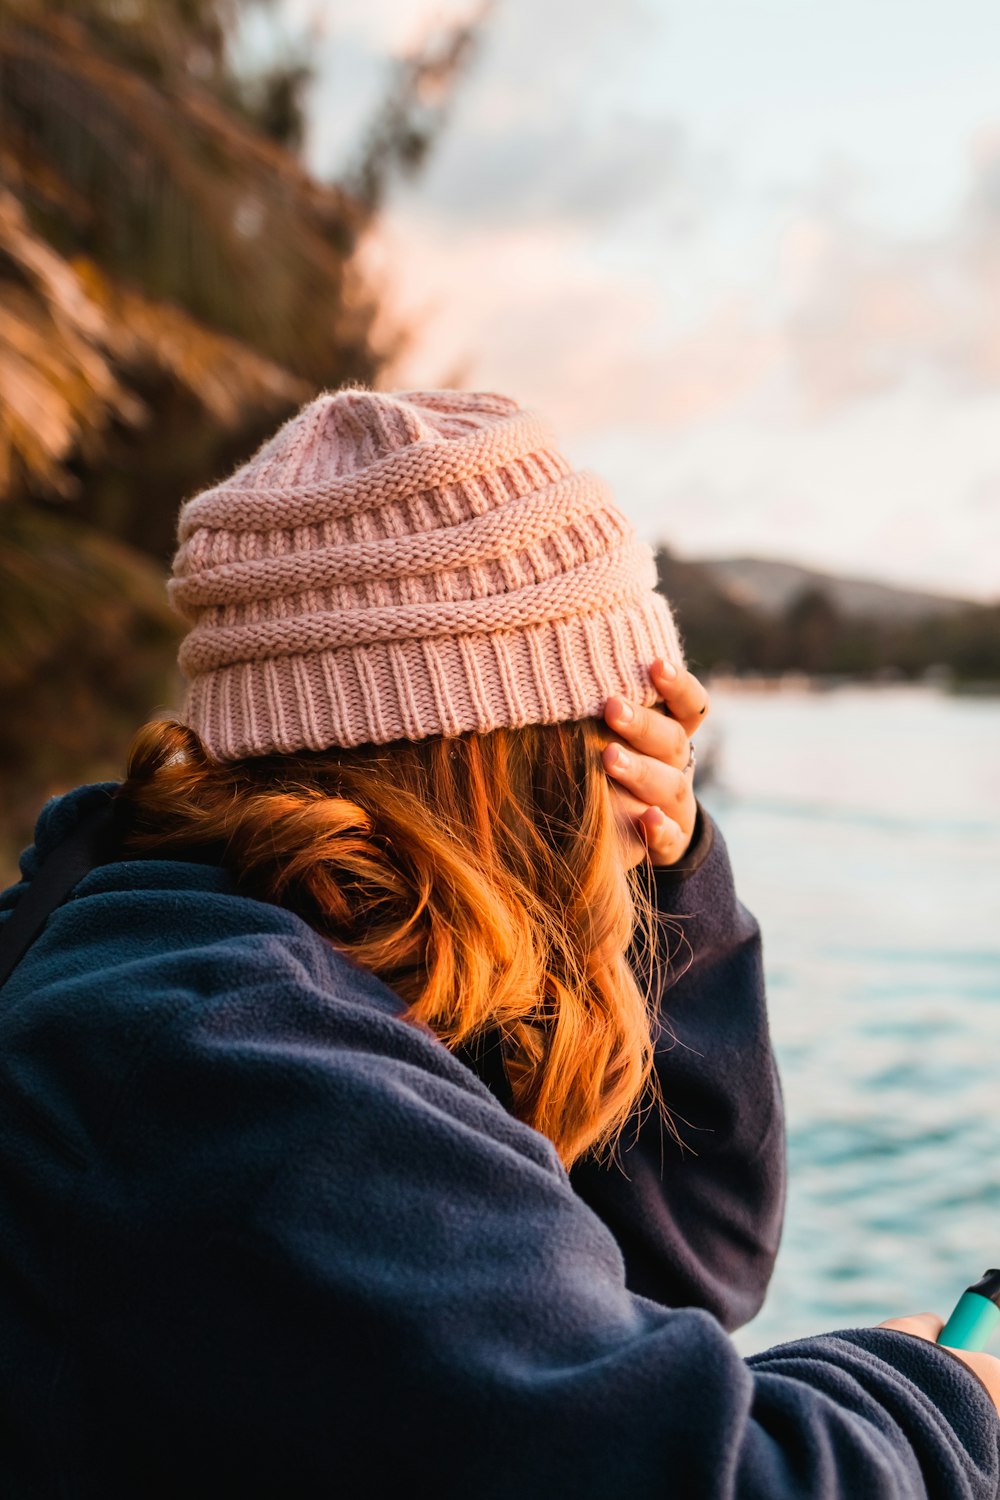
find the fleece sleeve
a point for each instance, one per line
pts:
(699, 1221)
(316, 1256)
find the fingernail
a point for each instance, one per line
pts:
(654, 817)
(666, 669)
(622, 710)
(619, 761)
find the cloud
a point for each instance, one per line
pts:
(559, 238)
(870, 312)
(848, 313)
(780, 374)
(522, 309)
(595, 173)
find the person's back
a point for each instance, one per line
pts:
(307, 1089)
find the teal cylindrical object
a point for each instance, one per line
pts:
(975, 1316)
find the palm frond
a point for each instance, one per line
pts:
(176, 193)
(58, 388)
(225, 376)
(69, 340)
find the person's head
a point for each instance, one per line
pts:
(408, 611)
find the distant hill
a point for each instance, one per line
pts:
(752, 614)
(770, 586)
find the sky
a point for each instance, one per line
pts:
(745, 256)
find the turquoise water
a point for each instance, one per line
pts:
(864, 830)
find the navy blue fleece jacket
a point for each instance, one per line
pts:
(260, 1237)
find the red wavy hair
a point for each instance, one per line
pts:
(484, 877)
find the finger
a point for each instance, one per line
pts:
(666, 839)
(665, 833)
(686, 698)
(924, 1325)
(651, 781)
(650, 830)
(649, 731)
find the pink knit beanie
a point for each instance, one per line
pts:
(392, 566)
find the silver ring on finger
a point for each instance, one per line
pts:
(692, 760)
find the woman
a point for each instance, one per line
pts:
(390, 1103)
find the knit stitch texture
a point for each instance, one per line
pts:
(397, 565)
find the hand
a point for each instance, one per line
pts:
(654, 795)
(928, 1326)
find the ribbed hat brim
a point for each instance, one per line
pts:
(545, 673)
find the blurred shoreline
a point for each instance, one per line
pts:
(823, 682)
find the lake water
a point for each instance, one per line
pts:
(864, 830)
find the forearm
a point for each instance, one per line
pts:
(699, 1221)
(376, 1235)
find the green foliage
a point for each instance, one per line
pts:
(812, 625)
(88, 643)
(717, 630)
(172, 284)
(123, 153)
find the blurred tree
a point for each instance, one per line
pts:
(415, 108)
(812, 626)
(970, 643)
(77, 609)
(172, 283)
(716, 629)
